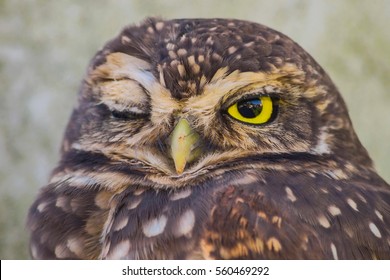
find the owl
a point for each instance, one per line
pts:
(210, 139)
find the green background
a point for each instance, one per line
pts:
(45, 47)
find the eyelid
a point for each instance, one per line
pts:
(127, 114)
(123, 112)
(240, 96)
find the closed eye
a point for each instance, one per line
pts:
(128, 115)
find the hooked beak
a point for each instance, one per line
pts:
(184, 145)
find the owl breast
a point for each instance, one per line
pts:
(249, 215)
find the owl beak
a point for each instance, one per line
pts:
(184, 145)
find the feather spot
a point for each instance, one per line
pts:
(134, 204)
(323, 221)
(181, 52)
(238, 250)
(191, 60)
(195, 68)
(185, 224)
(76, 246)
(181, 70)
(322, 146)
(63, 203)
(361, 197)
(61, 252)
(210, 41)
(42, 206)
(334, 251)
(138, 192)
(155, 226)
(379, 215)
(232, 49)
(150, 30)
(324, 190)
(274, 245)
(159, 25)
(75, 203)
(34, 252)
(249, 44)
(172, 55)
(352, 204)
(374, 229)
(125, 40)
(245, 180)
(262, 215)
(338, 188)
(120, 251)
(277, 220)
(290, 194)
(334, 210)
(170, 46)
(181, 194)
(102, 199)
(121, 223)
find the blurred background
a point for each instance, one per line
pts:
(45, 47)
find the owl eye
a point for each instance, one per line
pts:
(257, 110)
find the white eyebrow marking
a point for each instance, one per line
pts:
(119, 66)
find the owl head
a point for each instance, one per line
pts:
(167, 103)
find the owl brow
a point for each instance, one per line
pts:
(102, 80)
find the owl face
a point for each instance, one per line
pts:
(174, 101)
(210, 139)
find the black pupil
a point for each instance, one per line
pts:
(250, 108)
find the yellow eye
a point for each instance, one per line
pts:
(253, 111)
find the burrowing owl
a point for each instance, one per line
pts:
(210, 139)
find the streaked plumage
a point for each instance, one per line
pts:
(159, 160)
